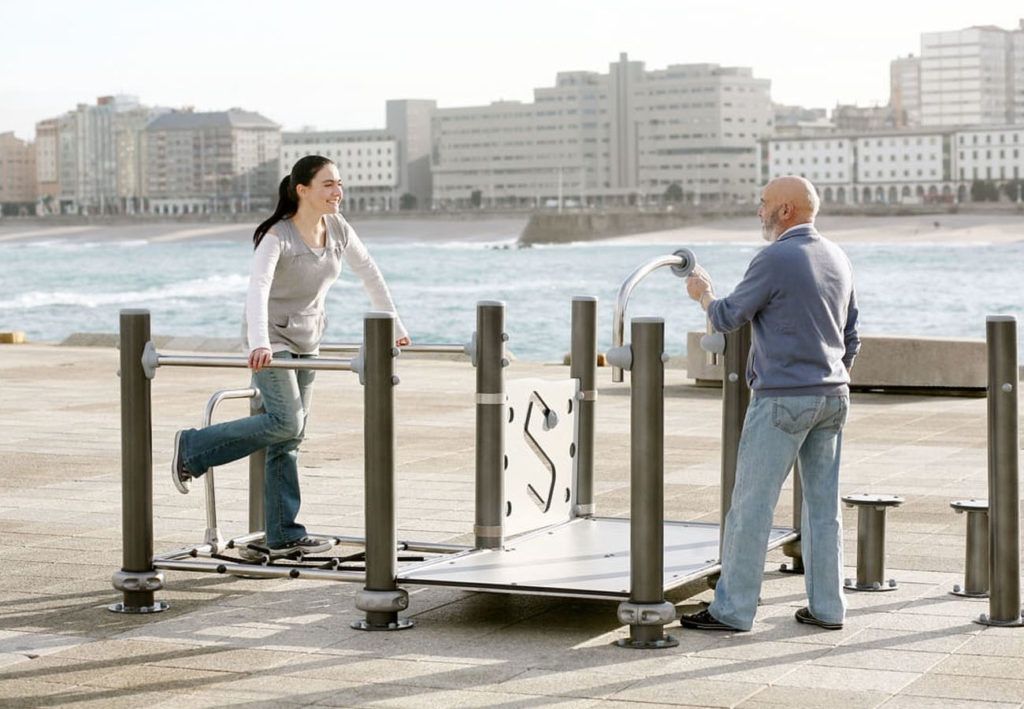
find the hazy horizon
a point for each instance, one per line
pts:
(332, 66)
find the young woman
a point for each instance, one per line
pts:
(299, 254)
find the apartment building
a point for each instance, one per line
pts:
(905, 91)
(223, 161)
(368, 162)
(973, 76)
(89, 159)
(616, 138)
(17, 176)
(47, 166)
(409, 123)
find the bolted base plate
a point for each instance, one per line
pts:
(794, 567)
(876, 587)
(984, 619)
(400, 624)
(966, 594)
(157, 607)
(665, 642)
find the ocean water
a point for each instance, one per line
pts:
(52, 287)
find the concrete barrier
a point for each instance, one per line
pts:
(892, 364)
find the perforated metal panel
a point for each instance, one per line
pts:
(540, 430)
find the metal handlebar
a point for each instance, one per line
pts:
(213, 536)
(682, 263)
(151, 359)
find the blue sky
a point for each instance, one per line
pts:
(333, 64)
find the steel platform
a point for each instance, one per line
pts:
(583, 558)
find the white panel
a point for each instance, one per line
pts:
(588, 557)
(541, 453)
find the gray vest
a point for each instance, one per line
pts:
(297, 318)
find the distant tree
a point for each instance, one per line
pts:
(407, 201)
(476, 198)
(1014, 189)
(984, 191)
(674, 193)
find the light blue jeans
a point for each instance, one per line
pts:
(777, 430)
(287, 395)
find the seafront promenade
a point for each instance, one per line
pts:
(281, 643)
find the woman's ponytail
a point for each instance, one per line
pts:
(287, 204)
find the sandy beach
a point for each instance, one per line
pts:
(937, 228)
(932, 228)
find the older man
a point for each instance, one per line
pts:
(798, 294)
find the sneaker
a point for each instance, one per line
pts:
(182, 478)
(304, 545)
(804, 616)
(704, 621)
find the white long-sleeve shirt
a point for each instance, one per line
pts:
(261, 277)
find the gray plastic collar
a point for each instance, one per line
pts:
(382, 601)
(646, 613)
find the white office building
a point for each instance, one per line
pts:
(616, 138)
(989, 153)
(900, 167)
(367, 161)
(972, 76)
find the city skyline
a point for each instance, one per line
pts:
(310, 75)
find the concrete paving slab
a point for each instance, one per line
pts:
(957, 687)
(238, 642)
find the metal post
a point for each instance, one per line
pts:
(583, 355)
(870, 546)
(137, 579)
(381, 599)
(257, 473)
(794, 549)
(1003, 490)
(976, 554)
(490, 364)
(647, 611)
(735, 399)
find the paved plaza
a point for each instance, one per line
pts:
(227, 641)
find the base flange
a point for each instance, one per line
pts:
(157, 607)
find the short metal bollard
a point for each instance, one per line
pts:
(871, 541)
(976, 556)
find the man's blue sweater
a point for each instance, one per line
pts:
(798, 293)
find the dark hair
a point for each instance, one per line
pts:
(302, 173)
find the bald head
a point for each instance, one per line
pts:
(785, 202)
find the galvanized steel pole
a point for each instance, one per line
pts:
(583, 366)
(735, 399)
(490, 364)
(647, 612)
(257, 474)
(137, 579)
(1003, 471)
(794, 549)
(381, 599)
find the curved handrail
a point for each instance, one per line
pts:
(682, 262)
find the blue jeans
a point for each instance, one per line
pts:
(777, 430)
(287, 395)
